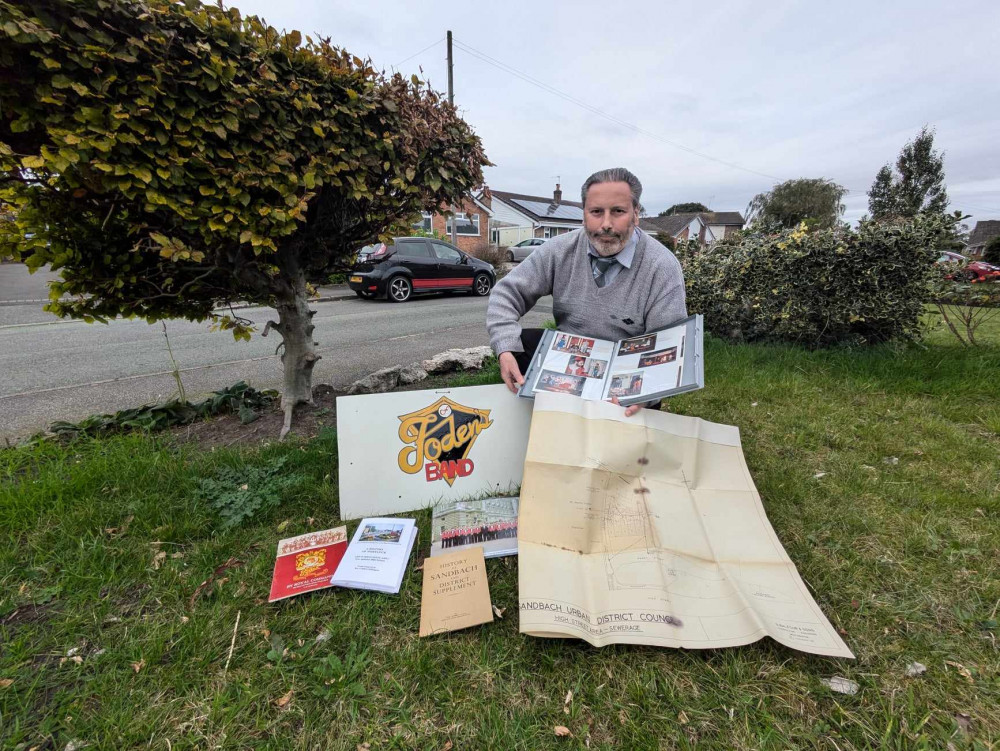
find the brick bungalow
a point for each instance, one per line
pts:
(472, 230)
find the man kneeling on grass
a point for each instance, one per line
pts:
(608, 280)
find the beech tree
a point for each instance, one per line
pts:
(169, 158)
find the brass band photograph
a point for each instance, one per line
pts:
(561, 383)
(490, 523)
(625, 384)
(662, 357)
(572, 345)
(637, 344)
(586, 367)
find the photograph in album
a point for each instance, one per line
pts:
(636, 370)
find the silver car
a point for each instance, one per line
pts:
(523, 249)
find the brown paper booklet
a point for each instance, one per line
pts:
(456, 594)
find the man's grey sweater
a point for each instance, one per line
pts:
(647, 296)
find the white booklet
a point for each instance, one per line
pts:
(647, 367)
(377, 556)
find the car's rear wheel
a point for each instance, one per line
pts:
(510, 256)
(482, 285)
(399, 289)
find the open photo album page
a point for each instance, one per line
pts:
(646, 365)
(575, 365)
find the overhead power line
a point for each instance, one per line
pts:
(407, 59)
(500, 65)
(600, 113)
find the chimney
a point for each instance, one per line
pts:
(557, 195)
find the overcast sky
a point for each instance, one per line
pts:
(773, 90)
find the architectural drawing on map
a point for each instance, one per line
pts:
(633, 558)
(651, 531)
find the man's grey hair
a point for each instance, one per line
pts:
(615, 175)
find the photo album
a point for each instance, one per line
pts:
(640, 369)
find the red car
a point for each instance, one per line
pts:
(976, 271)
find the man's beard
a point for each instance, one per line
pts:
(608, 244)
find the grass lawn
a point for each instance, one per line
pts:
(106, 638)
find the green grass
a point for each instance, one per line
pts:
(899, 542)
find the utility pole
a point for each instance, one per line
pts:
(451, 77)
(451, 100)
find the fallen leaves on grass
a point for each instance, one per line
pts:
(841, 685)
(76, 659)
(230, 563)
(137, 666)
(818, 475)
(682, 717)
(283, 701)
(448, 746)
(6, 682)
(962, 670)
(284, 525)
(158, 560)
(561, 731)
(964, 722)
(567, 701)
(498, 612)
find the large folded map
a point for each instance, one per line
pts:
(649, 530)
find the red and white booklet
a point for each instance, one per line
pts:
(307, 562)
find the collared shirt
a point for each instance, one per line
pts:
(624, 257)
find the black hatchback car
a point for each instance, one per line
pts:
(412, 265)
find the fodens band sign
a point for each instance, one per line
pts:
(439, 438)
(408, 450)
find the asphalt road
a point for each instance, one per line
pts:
(66, 370)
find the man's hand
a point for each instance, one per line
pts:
(509, 372)
(629, 411)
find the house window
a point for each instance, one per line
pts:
(468, 224)
(424, 223)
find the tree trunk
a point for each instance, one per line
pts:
(299, 356)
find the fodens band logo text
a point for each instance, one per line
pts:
(438, 439)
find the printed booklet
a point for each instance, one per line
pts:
(377, 556)
(307, 562)
(489, 523)
(640, 369)
(456, 593)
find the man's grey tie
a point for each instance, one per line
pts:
(600, 267)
